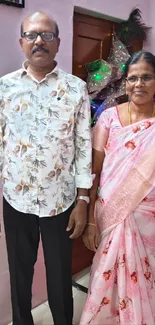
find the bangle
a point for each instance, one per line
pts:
(91, 224)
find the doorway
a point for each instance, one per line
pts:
(92, 39)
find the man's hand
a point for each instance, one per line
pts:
(78, 219)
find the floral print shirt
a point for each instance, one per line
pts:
(45, 141)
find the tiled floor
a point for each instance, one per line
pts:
(42, 314)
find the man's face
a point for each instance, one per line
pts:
(39, 53)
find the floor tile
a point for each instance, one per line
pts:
(42, 315)
(84, 281)
(82, 274)
(79, 301)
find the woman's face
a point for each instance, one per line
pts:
(140, 84)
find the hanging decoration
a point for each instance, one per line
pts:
(95, 105)
(106, 82)
(132, 29)
(115, 90)
(100, 74)
(118, 56)
(100, 109)
(114, 94)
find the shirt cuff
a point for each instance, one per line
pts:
(82, 181)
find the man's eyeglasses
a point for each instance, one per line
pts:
(45, 36)
(146, 78)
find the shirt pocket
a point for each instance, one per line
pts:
(61, 119)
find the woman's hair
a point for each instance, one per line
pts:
(139, 56)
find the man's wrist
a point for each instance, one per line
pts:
(82, 191)
(84, 198)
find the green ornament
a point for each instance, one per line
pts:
(97, 77)
(93, 66)
(92, 122)
(126, 29)
(105, 68)
(122, 67)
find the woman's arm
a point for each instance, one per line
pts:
(98, 158)
(91, 233)
(100, 136)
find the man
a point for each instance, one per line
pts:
(45, 157)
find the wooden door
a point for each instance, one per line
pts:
(92, 40)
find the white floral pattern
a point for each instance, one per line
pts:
(45, 141)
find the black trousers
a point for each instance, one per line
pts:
(22, 239)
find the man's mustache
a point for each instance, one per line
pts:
(39, 48)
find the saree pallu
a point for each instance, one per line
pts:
(122, 280)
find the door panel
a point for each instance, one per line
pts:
(92, 40)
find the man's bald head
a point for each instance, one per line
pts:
(40, 14)
(39, 50)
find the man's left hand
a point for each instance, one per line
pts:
(78, 219)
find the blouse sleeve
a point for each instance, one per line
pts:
(100, 132)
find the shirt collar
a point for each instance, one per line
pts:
(25, 64)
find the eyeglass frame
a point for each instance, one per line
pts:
(152, 77)
(38, 34)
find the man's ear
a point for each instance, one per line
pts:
(21, 42)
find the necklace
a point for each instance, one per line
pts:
(129, 114)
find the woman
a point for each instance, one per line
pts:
(122, 282)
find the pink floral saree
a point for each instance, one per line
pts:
(122, 281)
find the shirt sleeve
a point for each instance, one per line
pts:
(100, 132)
(83, 143)
(2, 126)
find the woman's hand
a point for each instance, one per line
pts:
(91, 237)
(91, 233)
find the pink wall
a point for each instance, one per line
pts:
(11, 59)
(151, 39)
(62, 10)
